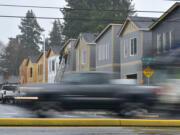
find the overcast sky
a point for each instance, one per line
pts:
(9, 26)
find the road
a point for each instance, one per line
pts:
(11, 111)
(88, 131)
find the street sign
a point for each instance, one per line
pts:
(148, 59)
(148, 72)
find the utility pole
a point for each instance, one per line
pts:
(44, 59)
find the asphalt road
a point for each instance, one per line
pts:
(12, 111)
(87, 131)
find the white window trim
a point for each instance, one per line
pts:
(170, 40)
(104, 53)
(164, 41)
(125, 47)
(100, 52)
(158, 43)
(53, 62)
(83, 60)
(108, 51)
(136, 47)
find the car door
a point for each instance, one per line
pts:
(91, 96)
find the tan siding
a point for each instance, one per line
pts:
(34, 76)
(40, 64)
(130, 27)
(82, 46)
(23, 72)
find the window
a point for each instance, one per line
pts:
(99, 52)
(31, 72)
(53, 65)
(49, 66)
(41, 69)
(164, 41)
(108, 46)
(158, 43)
(125, 49)
(83, 57)
(133, 47)
(38, 70)
(106, 51)
(170, 39)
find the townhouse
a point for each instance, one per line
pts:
(31, 69)
(166, 31)
(53, 62)
(119, 48)
(40, 65)
(23, 72)
(108, 49)
(85, 52)
(69, 46)
(135, 43)
(166, 45)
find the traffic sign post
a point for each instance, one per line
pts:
(148, 72)
(148, 60)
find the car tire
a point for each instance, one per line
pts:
(41, 108)
(132, 110)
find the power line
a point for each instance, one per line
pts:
(85, 19)
(25, 6)
(72, 9)
(53, 18)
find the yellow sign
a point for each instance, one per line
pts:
(148, 72)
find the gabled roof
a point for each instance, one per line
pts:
(105, 30)
(32, 59)
(67, 42)
(55, 50)
(24, 62)
(170, 10)
(88, 37)
(142, 23)
(41, 54)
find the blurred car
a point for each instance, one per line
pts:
(90, 90)
(8, 92)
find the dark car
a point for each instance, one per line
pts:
(90, 90)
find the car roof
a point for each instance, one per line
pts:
(9, 85)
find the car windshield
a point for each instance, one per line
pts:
(9, 88)
(86, 78)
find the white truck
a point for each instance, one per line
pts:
(8, 92)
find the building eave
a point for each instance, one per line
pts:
(164, 15)
(128, 19)
(66, 43)
(104, 30)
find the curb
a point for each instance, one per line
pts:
(88, 122)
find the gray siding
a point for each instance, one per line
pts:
(105, 39)
(71, 62)
(131, 64)
(111, 38)
(105, 69)
(147, 44)
(167, 26)
(128, 37)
